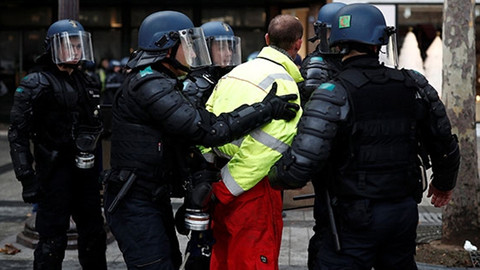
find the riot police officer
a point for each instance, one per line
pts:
(370, 125)
(319, 67)
(324, 62)
(57, 108)
(153, 130)
(225, 50)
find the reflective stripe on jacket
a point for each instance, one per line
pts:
(252, 157)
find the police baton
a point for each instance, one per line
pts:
(333, 224)
(123, 191)
(331, 217)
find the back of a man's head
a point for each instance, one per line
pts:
(284, 30)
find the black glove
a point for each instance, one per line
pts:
(279, 179)
(201, 194)
(281, 107)
(30, 192)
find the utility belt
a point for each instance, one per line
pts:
(357, 214)
(139, 186)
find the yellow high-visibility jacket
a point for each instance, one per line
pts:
(252, 156)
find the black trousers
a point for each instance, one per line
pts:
(70, 192)
(379, 234)
(144, 228)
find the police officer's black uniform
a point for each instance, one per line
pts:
(360, 137)
(154, 129)
(59, 113)
(200, 83)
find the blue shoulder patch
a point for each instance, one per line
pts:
(19, 90)
(317, 59)
(147, 71)
(327, 86)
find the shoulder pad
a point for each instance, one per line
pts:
(418, 78)
(32, 85)
(149, 91)
(332, 92)
(425, 90)
(34, 80)
(144, 75)
(330, 100)
(314, 62)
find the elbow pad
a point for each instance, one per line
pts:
(286, 174)
(22, 158)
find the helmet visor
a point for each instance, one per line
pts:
(389, 53)
(225, 51)
(323, 31)
(194, 47)
(68, 48)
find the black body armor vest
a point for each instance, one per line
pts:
(378, 152)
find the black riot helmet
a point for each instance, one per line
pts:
(68, 43)
(225, 48)
(166, 30)
(360, 25)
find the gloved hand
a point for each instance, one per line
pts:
(201, 196)
(30, 192)
(280, 105)
(279, 179)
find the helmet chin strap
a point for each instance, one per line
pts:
(174, 62)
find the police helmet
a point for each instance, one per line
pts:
(223, 45)
(326, 15)
(325, 20)
(124, 61)
(68, 42)
(163, 30)
(359, 23)
(114, 63)
(159, 31)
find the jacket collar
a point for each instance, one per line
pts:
(283, 60)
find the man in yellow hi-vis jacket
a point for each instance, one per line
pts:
(247, 219)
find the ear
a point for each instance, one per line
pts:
(267, 39)
(298, 44)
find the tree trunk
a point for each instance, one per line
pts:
(68, 9)
(461, 217)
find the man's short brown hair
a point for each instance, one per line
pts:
(284, 30)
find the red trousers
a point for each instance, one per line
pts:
(248, 229)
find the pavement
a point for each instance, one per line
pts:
(298, 223)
